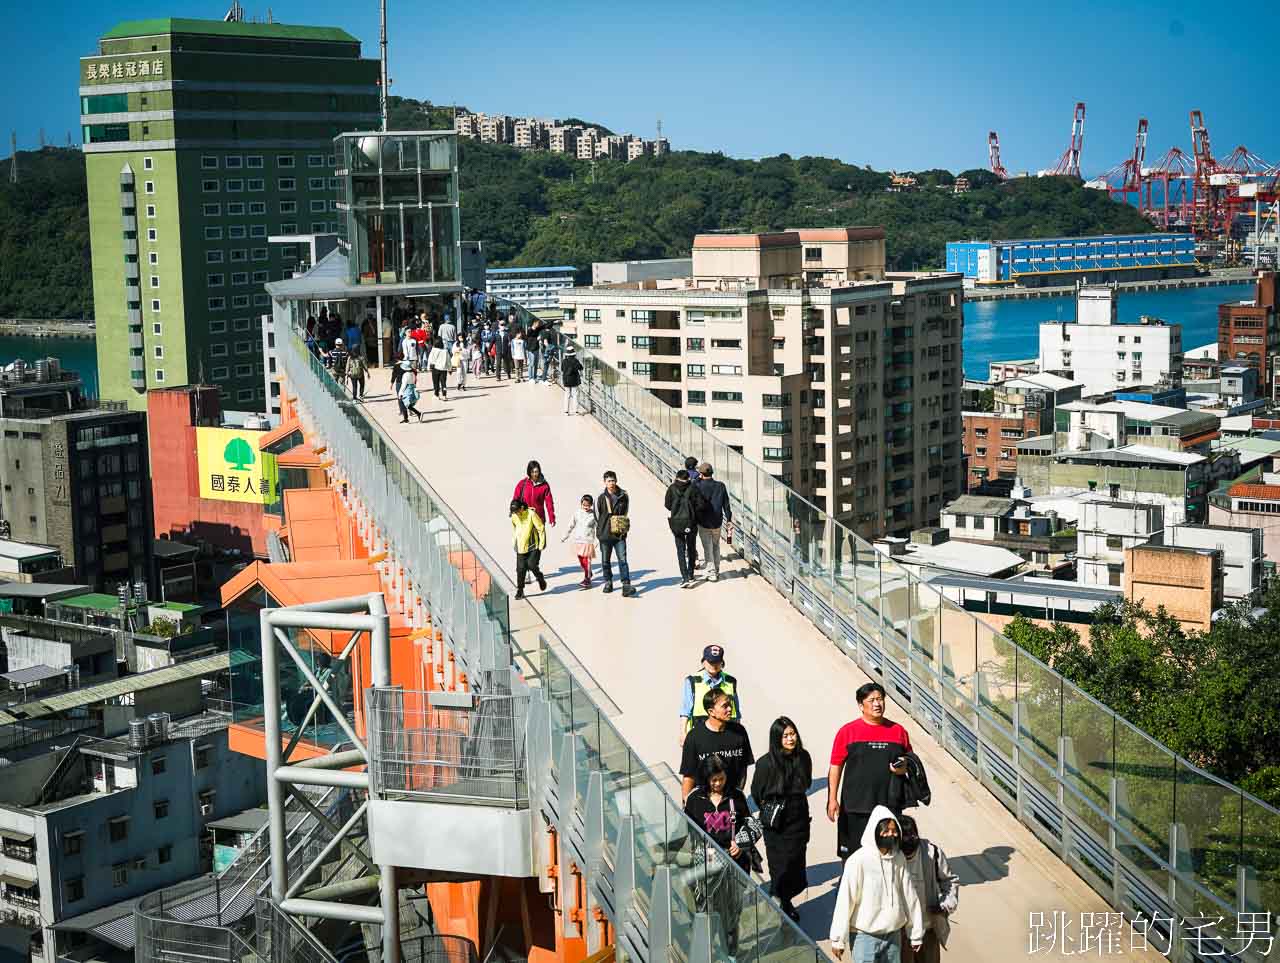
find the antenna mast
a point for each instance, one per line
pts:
(13, 163)
(382, 44)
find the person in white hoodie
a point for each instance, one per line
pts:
(877, 898)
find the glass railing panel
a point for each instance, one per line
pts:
(1088, 757)
(1039, 720)
(1261, 856)
(926, 628)
(1144, 798)
(1209, 819)
(649, 809)
(615, 764)
(686, 857)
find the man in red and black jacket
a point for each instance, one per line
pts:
(864, 762)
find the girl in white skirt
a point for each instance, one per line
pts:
(582, 534)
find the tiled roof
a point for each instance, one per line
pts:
(1254, 491)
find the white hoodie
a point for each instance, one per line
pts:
(876, 894)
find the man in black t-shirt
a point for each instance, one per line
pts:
(718, 734)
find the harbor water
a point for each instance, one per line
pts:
(993, 330)
(1009, 329)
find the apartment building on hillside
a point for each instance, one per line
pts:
(796, 349)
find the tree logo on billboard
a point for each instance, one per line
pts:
(238, 454)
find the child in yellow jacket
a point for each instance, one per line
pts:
(530, 537)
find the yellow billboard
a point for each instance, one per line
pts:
(232, 469)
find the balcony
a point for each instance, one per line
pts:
(18, 896)
(23, 851)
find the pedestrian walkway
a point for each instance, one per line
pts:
(474, 448)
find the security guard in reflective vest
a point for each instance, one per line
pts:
(696, 686)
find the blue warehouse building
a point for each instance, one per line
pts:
(1038, 262)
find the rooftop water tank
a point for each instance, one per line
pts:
(138, 733)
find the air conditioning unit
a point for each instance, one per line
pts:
(206, 809)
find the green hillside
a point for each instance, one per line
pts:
(44, 237)
(542, 208)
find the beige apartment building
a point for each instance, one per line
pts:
(796, 349)
(564, 140)
(531, 134)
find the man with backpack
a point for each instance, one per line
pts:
(685, 503)
(698, 685)
(612, 526)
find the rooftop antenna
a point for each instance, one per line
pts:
(13, 163)
(235, 14)
(42, 140)
(382, 47)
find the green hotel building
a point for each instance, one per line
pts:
(202, 139)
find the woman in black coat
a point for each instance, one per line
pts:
(780, 789)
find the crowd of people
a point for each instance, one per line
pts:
(419, 345)
(896, 891)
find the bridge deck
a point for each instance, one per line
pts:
(473, 450)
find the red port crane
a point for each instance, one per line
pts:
(1069, 163)
(1126, 177)
(993, 149)
(1171, 206)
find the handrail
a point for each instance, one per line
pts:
(1064, 763)
(386, 491)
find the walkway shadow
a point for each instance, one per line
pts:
(984, 867)
(655, 583)
(815, 914)
(824, 872)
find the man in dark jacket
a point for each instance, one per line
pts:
(685, 503)
(502, 346)
(716, 510)
(613, 502)
(571, 378)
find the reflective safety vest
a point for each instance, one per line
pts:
(727, 684)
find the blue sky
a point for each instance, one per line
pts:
(911, 86)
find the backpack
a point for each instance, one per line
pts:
(683, 512)
(410, 395)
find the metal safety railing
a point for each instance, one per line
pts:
(1155, 835)
(473, 610)
(448, 747)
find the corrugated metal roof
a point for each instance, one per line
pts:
(131, 683)
(50, 591)
(32, 673)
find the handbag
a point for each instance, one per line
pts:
(771, 814)
(619, 525)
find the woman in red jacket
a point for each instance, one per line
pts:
(535, 492)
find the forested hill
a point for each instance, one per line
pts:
(44, 237)
(542, 208)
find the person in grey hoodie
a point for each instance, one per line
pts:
(937, 887)
(877, 898)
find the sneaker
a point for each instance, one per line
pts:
(585, 583)
(628, 592)
(713, 577)
(608, 587)
(520, 594)
(542, 582)
(686, 583)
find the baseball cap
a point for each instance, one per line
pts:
(713, 653)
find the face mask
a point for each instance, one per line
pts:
(886, 842)
(910, 844)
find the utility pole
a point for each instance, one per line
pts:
(42, 141)
(382, 45)
(13, 163)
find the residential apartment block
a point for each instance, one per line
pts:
(1106, 531)
(1023, 408)
(796, 349)
(1242, 556)
(201, 138)
(1249, 334)
(577, 140)
(535, 288)
(1185, 581)
(75, 477)
(1104, 355)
